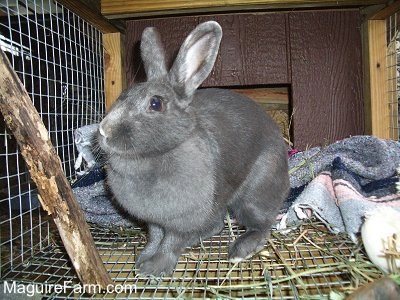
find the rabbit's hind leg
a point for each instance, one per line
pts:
(258, 225)
(256, 206)
(245, 246)
(253, 240)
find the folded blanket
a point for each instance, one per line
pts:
(339, 199)
(337, 184)
(368, 157)
(97, 202)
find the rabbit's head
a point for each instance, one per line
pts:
(154, 117)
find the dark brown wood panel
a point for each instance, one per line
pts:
(326, 76)
(317, 52)
(253, 48)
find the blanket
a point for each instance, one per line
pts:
(97, 202)
(337, 184)
(339, 198)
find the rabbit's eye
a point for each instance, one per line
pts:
(156, 103)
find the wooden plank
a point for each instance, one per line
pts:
(253, 49)
(114, 70)
(269, 98)
(44, 165)
(89, 13)
(366, 78)
(376, 106)
(327, 98)
(123, 8)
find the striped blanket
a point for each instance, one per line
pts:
(336, 184)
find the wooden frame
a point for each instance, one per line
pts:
(378, 111)
(140, 8)
(114, 70)
(377, 115)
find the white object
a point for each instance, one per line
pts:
(84, 142)
(381, 231)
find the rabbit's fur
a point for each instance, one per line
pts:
(180, 158)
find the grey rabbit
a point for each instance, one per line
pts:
(179, 158)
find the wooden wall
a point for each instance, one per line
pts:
(316, 53)
(326, 82)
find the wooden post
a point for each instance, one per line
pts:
(377, 115)
(55, 193)
(381, 109)
(114, 71)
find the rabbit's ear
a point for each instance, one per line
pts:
(153, 55)
(196, 58)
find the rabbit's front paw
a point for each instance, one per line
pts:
(158, 265)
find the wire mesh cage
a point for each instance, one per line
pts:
(59, 58)
(307, 263)
(393, 71)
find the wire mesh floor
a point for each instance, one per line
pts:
(309, 262)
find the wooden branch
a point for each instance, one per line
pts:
(55, 193)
